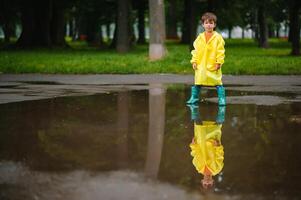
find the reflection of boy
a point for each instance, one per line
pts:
(207, 151)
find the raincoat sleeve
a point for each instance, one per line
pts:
(195, 149)
(220, 54)
(194, 52)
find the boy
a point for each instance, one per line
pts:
(207, 58)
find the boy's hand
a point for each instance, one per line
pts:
(194, 66)
(216, 143)
(217, 67)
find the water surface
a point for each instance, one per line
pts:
(134, 144)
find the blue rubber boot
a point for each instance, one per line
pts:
(220, 118)
(194, 112)
(221, 95)
(194, 98)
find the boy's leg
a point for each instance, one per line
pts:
(220, 118)
(221, 95)
(195, 91)
(194, 112)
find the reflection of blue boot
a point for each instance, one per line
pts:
(221, 95)
(220, 114)
(194, 98)
(195, 114)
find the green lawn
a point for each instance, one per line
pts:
(242, 57)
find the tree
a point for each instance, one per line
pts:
(278, 13)
(262, 22)
(35, 18)
(189, 24)
(141, 6)
(294, 17)
(157, 101)
(172, 19)
(57, 24)
(229, 14)
(90, 15)
(123, 29)
(43, 23)
(157, 48)
(8, 18)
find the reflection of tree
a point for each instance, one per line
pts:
(175, 160)
(123, 128)
(88, 144)
(72, 144)
(78, 136)
(155, 129)
(263, 141)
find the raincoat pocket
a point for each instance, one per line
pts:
(211, 67)
(211, 64)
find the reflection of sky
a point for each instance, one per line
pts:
(82, 185)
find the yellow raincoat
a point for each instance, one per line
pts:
(206, 55)
(207, 150)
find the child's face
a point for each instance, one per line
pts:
(209, 25)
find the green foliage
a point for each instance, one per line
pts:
(242, 57)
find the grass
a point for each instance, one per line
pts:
(242, 57)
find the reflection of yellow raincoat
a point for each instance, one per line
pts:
(206, 55)
(207, 149)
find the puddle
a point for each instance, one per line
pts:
(40, 82)
(136, 144)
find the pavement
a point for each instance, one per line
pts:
(23, 87)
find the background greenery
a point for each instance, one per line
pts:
(242, 57)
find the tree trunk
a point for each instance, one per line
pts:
(8, 31)
(82, 27)
(172, 20)
(157, 48)
(295, 26)
(141, 24)
(277, 30)
(92, 31)
(42, 30)
(271, 31)
(286, 30)
(255, 26)
(229, 32)
(108, 30)
(290, 31)
(113, 42)
(193, 25)
(263, 30)
(58, 25)
(123, 129)
(35, 18)
(189, 23)
(123, 43)
(28, 25)
(242, 33)
(156, 129)
(75, 29)
(186, 22)
(131, 35)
